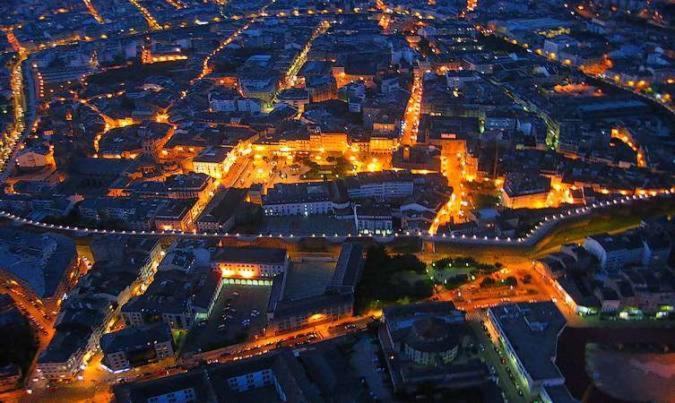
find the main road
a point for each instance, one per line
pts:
(24, 104)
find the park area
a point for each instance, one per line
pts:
(403, 278)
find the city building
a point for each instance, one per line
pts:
(426, 344)
(518, 328)
(616, 251)
(137, 255)
(303, 199)
(336, 301)
(175, 297)
(273, 377)
(177, 215)
(41, 263)
(375, 219)
(204, 135)
(35, 158)
(384, 185)
(129, 142)
(79, 327)
(250, 262)
(232, 101)
(177, 187)
(220, 215)
(295, 97)
(525, 191)
(213, 161)
(135, 346)
(321, 88)
(634, 285)
(91, 307)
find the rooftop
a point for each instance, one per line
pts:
(135, 338)
(250, 255)
(618, 242)
(38, 260)
(528, 325)
(210, 384)
(283, 193)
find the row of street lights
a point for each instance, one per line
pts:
(463, 238)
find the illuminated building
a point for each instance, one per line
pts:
(596, 66)
(225, 80)
(525, 191)
(179, 215)
(213, 161)
(513, 27)
(563, 46)
(180, 186)
(440, 130)
(64, 364)
(382, 144)
(417, 158)
(635, 286)
(417, 220)
(331, 142)
(132, 213)
(380, 185)
(36, 158)
(482, 63)
(149, 56)
(250, 262)
(559, 269)
(303, 199)
(622, 5)
(577, 296)
(132, 140)
(373, 220)
(627, 138)
(49, 81)
(431, 342)
(139, 255)
(457, 79)
(328, 142)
